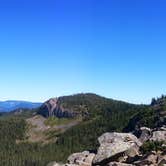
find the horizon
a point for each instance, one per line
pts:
(20, 100)
(113, 48)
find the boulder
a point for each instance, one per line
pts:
(54, 164)
(162, 160)
(148, 159)
(82, 159)
(119, 164)
(158, 136)
(114, 145)
(144, 134)
(163, 128)
(71, 165)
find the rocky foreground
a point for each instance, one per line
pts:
(122, 149)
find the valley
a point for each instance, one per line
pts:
(45, 130)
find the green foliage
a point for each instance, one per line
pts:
(12, 129)
(159, 101)
(150, 116)
(52, 121)
(152, 146)
(144, 117)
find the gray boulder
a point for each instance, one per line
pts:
(114, 145)
(119, 164)
(72, 165)
(82, 159)
(54, 164)
(158, 136)
(162, 160)
(148, 159)
(145, 134)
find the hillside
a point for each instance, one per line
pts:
(86, 105)
(95, 115)
(155, 117)
(145, 146)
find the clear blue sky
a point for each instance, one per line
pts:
(116, 48)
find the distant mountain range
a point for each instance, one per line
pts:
(10, 105)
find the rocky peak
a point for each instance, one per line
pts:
(53, 107)
(51, 104)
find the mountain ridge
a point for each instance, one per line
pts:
(10, 105)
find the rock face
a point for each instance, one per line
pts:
(84, 159)
(148, 159)
(144, 134)
(121, 149)
(53, 107)
(162, 160)
(114, 145)
(158, 136)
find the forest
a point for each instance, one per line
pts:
(105, 115)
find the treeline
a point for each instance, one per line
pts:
(159, 100)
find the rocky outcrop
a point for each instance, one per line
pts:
(158, 136)
(54, 164)
(119, 164)
(143, 134)
(114, 145)
(152, 159)
(148, 159)
(121, 149)
(85, 158)
(53, 107)
(162, 160)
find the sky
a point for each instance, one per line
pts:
(114, 48)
